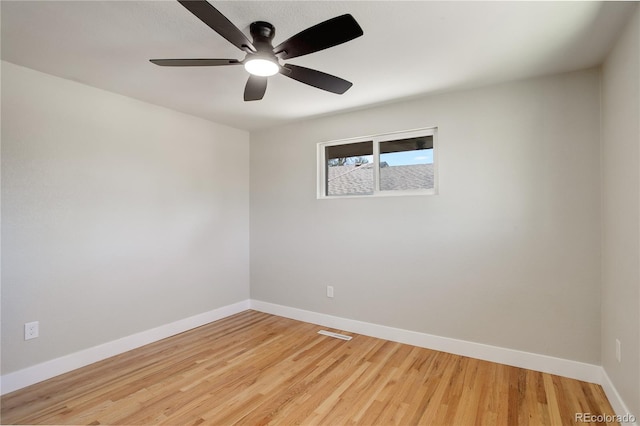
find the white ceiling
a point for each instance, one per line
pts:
(409, 49)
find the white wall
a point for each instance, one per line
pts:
(117, 216)
(621, 214)
(508, 254)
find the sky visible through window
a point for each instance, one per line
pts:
(405, 158)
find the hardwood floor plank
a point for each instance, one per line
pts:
(257, 369)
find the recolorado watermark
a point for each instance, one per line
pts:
(604, 418)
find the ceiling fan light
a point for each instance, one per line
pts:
(261, 67)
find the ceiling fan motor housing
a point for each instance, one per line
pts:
(262, 33)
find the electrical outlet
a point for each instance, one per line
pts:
(330, 291)
(618, 351)
(31, 330)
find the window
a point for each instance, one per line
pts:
(391, 164)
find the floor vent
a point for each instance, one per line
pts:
(336, 335)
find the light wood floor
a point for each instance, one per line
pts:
(254, 368)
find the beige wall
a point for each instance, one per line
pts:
(621, 214)
(117, 216)
(508, 253)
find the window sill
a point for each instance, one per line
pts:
(378, 194)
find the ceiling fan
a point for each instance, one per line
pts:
(262, 59)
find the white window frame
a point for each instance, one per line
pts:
(376, 140)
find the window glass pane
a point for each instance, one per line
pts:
(349, 169)
(406, 164)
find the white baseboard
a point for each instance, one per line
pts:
(544, 363)
(547, 364)
(617, 403)
(46, 370)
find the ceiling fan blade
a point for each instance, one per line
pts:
(326, 34)
(194, 62)
(255, 88)
(315, 78)
(218, 23)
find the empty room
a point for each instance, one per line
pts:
(320, 212)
